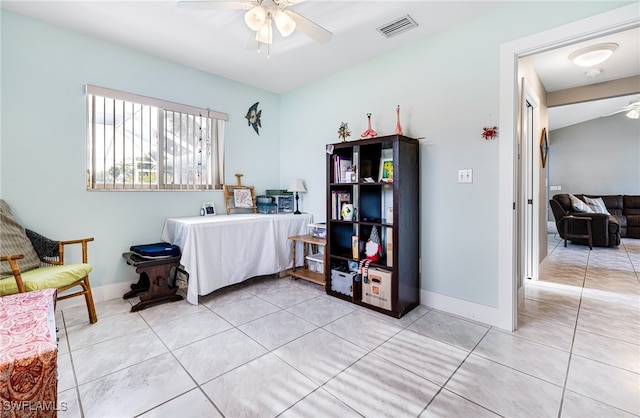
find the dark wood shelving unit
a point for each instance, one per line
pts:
(372, 198)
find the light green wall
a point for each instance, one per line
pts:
(447, 86)
(44, 70)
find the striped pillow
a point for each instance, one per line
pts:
(597, 205)
(13, 240)
(579, 206)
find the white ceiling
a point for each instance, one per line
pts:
(215, 40)
(557, 72)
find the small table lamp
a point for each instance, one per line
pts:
(297, 186)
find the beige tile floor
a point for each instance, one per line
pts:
(279, 347)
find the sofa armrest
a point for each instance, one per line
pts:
(593, 216)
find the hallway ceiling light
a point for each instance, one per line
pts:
(593, 55)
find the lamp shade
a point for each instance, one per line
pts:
(265, 34)
(255, 18)
(284, 23)
(297, 186)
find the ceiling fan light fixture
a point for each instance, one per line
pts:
(593, 55)
(633, 114)
(255, 18)
(265, 34)
(285, 24)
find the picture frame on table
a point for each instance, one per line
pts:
(386, 170)
(243, 198)
(239, 197)
(208, 209)
(544, 147)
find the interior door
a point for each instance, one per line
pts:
(527, 254)
(528, 190)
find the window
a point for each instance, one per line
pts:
(141, 143)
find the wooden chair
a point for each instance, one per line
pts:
(49, 270)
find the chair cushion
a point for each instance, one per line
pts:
(14, 240)
(45, 278)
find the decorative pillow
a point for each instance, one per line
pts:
(13, 240)
(579, 206)
(597, 205)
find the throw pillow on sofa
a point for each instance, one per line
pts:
(578, 205)
(597, 205)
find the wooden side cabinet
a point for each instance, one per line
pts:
(305, 272)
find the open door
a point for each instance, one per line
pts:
(527, 184)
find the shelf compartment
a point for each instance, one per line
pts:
(369, 207)
(340, 235)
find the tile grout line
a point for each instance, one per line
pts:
(76, 386)
(573, 338)
(183, 368)
(453, 374)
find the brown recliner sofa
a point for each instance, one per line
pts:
(606, 230)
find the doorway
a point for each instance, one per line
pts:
(509, 233)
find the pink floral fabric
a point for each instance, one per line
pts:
(28, 354)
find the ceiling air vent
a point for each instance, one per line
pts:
(397, 26)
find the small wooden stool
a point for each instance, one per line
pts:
(153, 285)
(570, 220)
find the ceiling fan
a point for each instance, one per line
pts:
(633, 110)
(260, 15)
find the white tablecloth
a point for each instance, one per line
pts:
(221, 250)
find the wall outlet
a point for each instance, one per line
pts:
(555, 188)
(465, 176)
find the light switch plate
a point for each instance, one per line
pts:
(465, 176)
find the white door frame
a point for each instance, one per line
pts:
(528, 183)
(616, 20)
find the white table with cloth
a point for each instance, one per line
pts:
(221, 250)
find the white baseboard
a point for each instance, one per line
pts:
(100, 294)
(474, 311)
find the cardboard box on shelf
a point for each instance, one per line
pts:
(376, 290)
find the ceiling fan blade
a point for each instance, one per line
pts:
(309, 28)
(287, 3)
(215, 5)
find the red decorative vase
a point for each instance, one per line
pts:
(398, 126)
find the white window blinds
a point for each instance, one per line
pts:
(141, 143)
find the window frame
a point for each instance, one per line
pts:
(186, 115)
